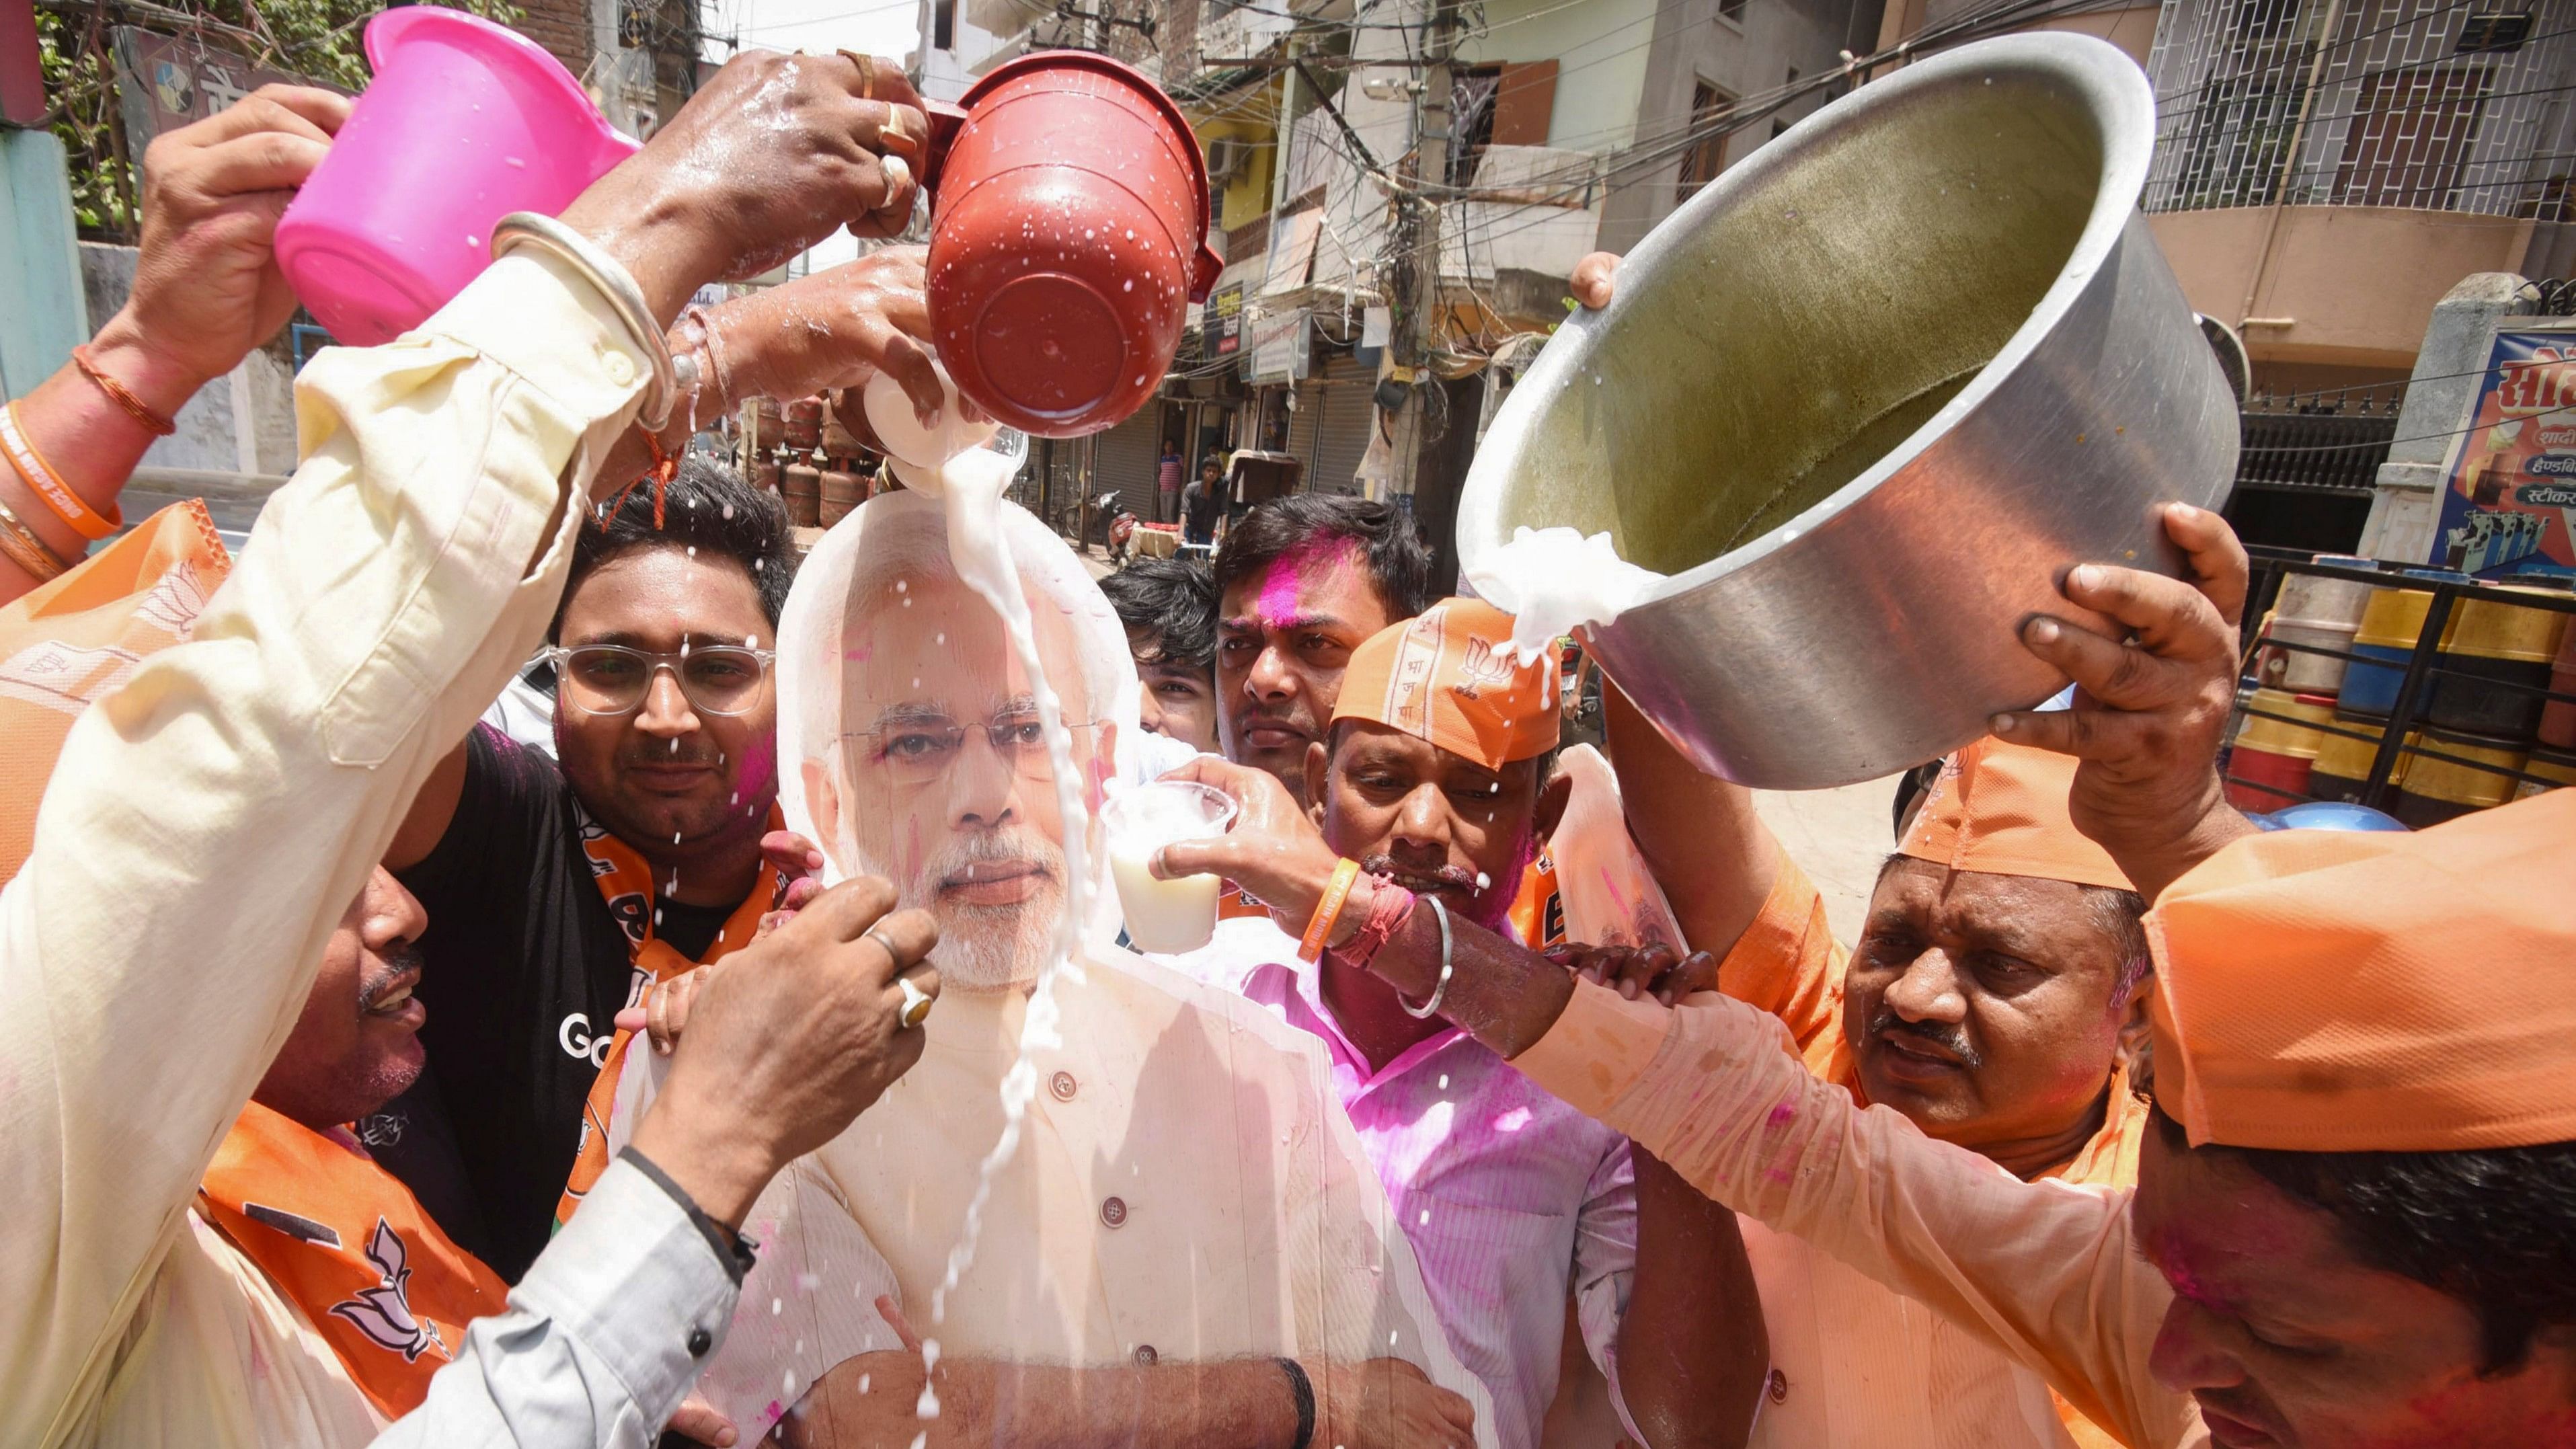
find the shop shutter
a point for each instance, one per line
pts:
(1128, 453)
(1345, 416)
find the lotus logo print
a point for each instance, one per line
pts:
(383, 1313)
(2546, 495)
(2552, 465)
(1481, 666)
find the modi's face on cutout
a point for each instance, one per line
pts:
(940, 781)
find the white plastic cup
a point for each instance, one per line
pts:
(1164, 915)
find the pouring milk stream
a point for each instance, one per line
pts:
(948, 461)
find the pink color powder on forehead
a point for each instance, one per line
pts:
(1279, 603)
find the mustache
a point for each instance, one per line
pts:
(1454, 877)
(1014, 844)
(701, 754)
(1950, 1038)
(1262, 714)
(394, 962)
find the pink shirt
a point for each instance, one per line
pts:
(1510, 1198)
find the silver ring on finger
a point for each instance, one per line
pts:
(899, 185)
(916, 1002)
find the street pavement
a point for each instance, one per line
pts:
(1840, 837)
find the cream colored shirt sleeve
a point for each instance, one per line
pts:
(2042, 1270)
(209, 823)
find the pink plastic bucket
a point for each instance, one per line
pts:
(465, 122)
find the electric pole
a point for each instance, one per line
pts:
(1430, 169)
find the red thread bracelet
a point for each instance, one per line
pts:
(48, 485)
(664, 469)
(1389, 908)
(118, 393)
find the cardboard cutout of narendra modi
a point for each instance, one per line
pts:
(1188, 1225)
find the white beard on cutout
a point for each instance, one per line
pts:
(985, 948)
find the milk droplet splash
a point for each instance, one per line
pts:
(927, 1406)
(1553, 581)
(969, 480)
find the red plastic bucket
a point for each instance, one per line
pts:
(1069, 240)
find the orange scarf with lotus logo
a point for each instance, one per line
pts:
(338, 1235)
(627, 882)
(345, 1241)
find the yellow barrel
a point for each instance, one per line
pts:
(2493, 630)
(2438, 789)
(2342, 764)
(2393, 618)
(2299, 741)
(2558, 767)
(2494, 656)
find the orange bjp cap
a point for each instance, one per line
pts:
(1442, 676)
(2323, 991)
(2001, 808)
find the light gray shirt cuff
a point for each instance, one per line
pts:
(602, 1339)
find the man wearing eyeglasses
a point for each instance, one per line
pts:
(557, 891)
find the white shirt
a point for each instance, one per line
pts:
(208, 824)
(1186, 1189)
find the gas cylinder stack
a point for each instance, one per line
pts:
(799, 451)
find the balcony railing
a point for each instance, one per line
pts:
(2332, 441)
(2441, 105)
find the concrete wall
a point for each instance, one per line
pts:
(41, 320)
(1601, 50)
(243, 422)
(2357, 284)
(1247, 118)
(2132, 29)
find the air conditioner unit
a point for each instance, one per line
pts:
(1227, 159)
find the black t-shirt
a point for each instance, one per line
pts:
(525, 972)
(1201, 505)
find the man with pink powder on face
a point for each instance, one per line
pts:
(1301, 583)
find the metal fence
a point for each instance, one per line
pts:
(2443, 105)
(2331, 441)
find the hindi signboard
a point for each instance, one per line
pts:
(2509, 500)
(1221, 321)
(164, 82)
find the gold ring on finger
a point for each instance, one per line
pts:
(916, 1002)
(867, 65)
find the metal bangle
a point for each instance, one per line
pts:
(1440, 990)
(21, 546)
(615, 286)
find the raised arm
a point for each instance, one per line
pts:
(206, 291)
(1713, 856)
(231, 796)
(2149, 714)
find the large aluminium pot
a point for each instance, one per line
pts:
(1865, 399)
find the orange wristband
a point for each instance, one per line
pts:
(48, 485)
(1319, 929)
